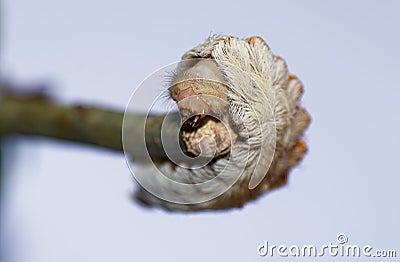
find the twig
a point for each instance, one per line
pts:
(36, 115)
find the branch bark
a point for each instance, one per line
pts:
(37, 115)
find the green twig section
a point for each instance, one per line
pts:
(83, 124)
(90, 125)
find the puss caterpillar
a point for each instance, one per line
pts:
(240, 110)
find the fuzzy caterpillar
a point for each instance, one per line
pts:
(257, 125)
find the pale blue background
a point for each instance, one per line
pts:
(66, 202)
